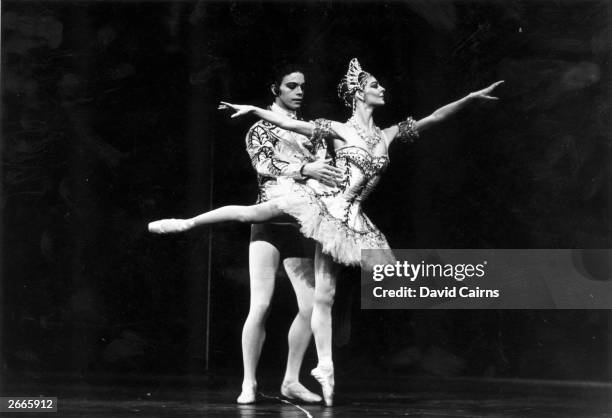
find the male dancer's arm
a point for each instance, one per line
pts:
(265, 160)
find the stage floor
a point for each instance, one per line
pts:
(214, 396)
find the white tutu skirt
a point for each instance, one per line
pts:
(339, 225)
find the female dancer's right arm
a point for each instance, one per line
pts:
(282, 121)
(333, 129)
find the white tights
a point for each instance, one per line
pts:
(263, 264)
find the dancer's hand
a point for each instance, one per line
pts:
(239, 110)
(170, 226)
(484, 94)
(324, 172)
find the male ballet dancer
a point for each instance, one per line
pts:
(276, 152)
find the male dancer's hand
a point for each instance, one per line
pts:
(324, 172)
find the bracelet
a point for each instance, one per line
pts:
(407, 130)
(321, 130)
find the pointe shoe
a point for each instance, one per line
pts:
(325, 377)
(248, 395)
(295, 390)
(167, 226)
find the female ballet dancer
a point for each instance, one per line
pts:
(332, 216)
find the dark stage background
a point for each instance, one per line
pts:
(109, 121)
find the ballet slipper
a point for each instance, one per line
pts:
(325, 377)
(295, 390)
(248, 394)
(168, 226)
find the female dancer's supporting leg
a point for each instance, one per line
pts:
(247, 214)
(321, 322)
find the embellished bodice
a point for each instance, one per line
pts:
(362, 171)
(333, 215)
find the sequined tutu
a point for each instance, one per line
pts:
(333, 216)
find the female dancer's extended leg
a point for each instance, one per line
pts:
(247, 214)
(321, 322)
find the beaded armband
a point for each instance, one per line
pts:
(407, 130)
(322, 129)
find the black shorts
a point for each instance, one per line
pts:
(286, 238)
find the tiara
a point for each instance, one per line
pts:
(352, 75)
(350, 82)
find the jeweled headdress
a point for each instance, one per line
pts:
(354, 79)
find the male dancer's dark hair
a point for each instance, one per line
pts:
(281, 70)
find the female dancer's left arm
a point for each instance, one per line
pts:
(412, 128)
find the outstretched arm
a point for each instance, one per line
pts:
(299, 126)
(444, 112)
(330, 128)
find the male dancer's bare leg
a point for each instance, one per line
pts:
(301, 275)
(247, 214)
(321, 322)
(263, 264)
